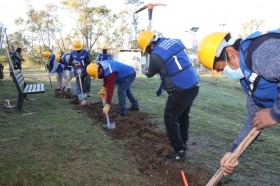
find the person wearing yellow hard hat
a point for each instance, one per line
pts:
(113, 72)
(254, 61)
(169, 58)
(104, 55)
(63, 78)
(80, 58)
(53, 67)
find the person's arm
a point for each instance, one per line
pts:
(109, 83)
(55, 66)
(97, 59)
(153, 66)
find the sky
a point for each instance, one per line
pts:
(177, 17)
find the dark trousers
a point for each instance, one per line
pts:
(176, 116)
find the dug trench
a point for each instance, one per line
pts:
(147, 145)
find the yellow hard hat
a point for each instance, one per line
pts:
(77, 45)
(47, 54)
(92, 70)
(57, 58)
(104, 47)
(144, 39)
(208, 47)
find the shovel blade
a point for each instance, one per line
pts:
(109, 125)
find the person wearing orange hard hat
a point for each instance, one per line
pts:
(104, 55)
(254, 61)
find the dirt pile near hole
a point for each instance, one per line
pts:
(147, 146)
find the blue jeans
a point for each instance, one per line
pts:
(123, 91)
(86, 81)
(176, 116)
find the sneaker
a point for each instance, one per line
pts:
(176, 156)
(118, 114)
(131, 108)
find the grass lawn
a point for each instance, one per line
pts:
(51, 143)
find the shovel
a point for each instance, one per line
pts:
(109, 125)
(81, 96)
(235, 155)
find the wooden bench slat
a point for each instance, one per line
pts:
(24, 89)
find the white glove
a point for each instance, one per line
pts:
(50, 74)
(77, 63)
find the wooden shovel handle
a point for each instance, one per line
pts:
(235, 155)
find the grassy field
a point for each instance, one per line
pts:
(51, 143)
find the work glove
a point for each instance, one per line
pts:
(106, 108)
(77, 63)
(102, 92)
(50, 75)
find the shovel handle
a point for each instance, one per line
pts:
(235, 155)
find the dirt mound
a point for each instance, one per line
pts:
(147, 146)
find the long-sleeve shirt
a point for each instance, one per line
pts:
(266, 63)
(109, 83)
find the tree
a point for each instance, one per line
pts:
(133, 6)
(88, 19)
(250, 27)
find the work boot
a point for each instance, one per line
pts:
(131, 108)
(176, 156)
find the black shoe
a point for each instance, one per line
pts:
(176, 156)
(68, 90)
(131, 108)
(57, 89)
(118, 114)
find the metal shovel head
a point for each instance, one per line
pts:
(82, 97)
(9, 106)
(109, 125)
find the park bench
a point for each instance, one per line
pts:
(24, 89)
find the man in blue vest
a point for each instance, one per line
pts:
(114, 72)
(169, 58)
(104, 55)
(54, 67)
(255, 62)
(63, 61)
(80, 59)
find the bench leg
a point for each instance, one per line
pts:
(20, 102)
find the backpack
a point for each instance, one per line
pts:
(1, 71)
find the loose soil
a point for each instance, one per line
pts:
(147, 145)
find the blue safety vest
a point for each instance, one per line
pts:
(51, 65)
(264, 92)
(178, 65)
(79, 57)
(123, 70)
(66, 63)
(102, 57)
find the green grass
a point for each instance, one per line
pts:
(54, 144)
